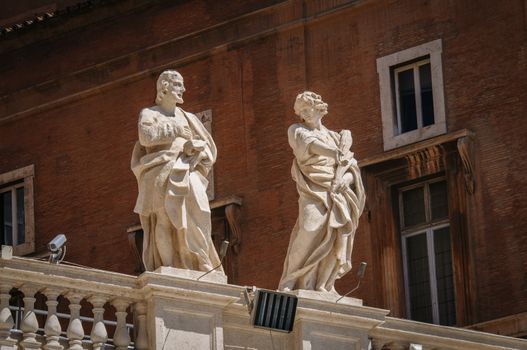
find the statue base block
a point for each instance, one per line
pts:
(214, 276)
(325, 296)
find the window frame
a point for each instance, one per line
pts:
(446, 155)
(427, 228)
(392, 138)
(25, 178)
(417, 88)
(14, 208)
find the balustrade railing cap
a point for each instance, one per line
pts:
(84, 281)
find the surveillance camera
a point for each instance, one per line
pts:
(56, 243)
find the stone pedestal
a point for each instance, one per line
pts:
(323, 323)
(184, 313)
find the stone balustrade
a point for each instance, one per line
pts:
(46, 328)
(395, 333)
(45, 306)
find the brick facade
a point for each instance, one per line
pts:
(72, 88)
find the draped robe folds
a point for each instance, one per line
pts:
(321, 242)
(172, 202)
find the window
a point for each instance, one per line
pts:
(12, 215)
(414, 110)
(427, 252)
(409, 203)
(16, 210)
(412, 101)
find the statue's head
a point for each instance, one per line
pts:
(170, 87)
(308, 103)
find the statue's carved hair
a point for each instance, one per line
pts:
(163, 81)
(305, 99)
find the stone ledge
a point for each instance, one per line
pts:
(213, 276)
(325, 296)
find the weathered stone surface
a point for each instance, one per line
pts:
(171, 161)
(181, 313)
(332, 198)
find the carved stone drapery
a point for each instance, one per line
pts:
(205, 118)
(227, 209)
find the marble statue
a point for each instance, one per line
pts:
(331, 200)
(171, 161)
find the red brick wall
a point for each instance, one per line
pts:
(69, 105)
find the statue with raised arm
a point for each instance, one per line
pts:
(171, 161)
(331, 200)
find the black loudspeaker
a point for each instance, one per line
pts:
(274, 310)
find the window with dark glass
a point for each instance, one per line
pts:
(12, 215)
(427, 252)
(413, 96)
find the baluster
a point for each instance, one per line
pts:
(52, 327)
(29, 322)
(141, 339)
(98, 335)
(6, 319)
(121, 337)
(75, 331)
